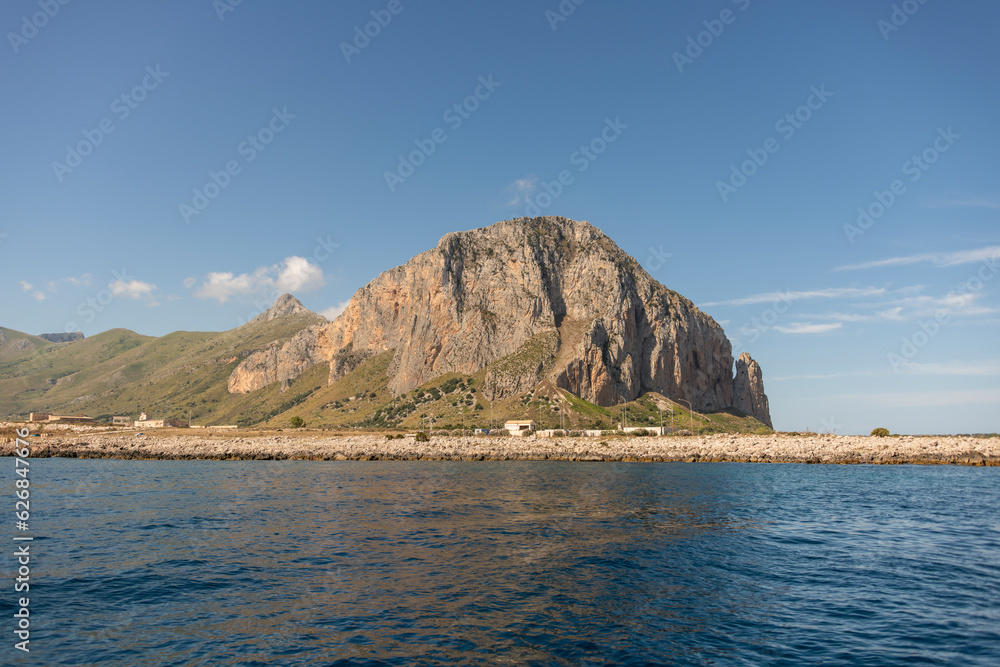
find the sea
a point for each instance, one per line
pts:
(509, 563)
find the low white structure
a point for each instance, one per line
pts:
(653, 430)
(146, 422)
(520, 426)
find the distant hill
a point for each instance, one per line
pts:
(122, 372)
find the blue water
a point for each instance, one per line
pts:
(318, 563)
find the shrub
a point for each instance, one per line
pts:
(422, 437)
(880, 432)
(297, 422)
(639, 432)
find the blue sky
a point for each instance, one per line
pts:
(821, 178)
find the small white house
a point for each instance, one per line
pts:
(520, 426)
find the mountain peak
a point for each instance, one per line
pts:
(286, 304)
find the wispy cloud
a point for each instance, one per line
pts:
(989, 368)
(988, 203)
(520, 190)
(83, 281)
(939, 259)
(893, 313)
(789, 296)
(822, 376)
(27, 287)
(293, 274)
(925, 399)
(807, 327)
(132, 289)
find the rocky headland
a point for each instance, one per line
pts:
(539, 301)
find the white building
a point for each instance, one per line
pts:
(520, 426)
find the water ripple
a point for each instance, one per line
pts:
(403, 563)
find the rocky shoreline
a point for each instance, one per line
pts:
(831, 449)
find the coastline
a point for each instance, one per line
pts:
(815, 448)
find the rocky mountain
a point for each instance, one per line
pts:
(532, 301)
(284, 305)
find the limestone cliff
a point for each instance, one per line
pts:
(533, 298)
(748, 390)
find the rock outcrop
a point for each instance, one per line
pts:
(62, 337)
(748, 390)
(284, 305)
(281, 363)
(529, 299)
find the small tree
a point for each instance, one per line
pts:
(880, 432)
(422, 437)
(297, 422)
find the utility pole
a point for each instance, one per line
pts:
(690, 414)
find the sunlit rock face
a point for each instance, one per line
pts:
(557, 288)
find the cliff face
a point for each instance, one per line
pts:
(748, 390)
(550, 298)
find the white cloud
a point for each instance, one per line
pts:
(133, 289)
(789, 296)
(27, 287)
(939, 259)
(299, 275)
(521, 189)
(808, 327)
(293, 274)
(332, 312)
(223, 284)
(190, 282)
